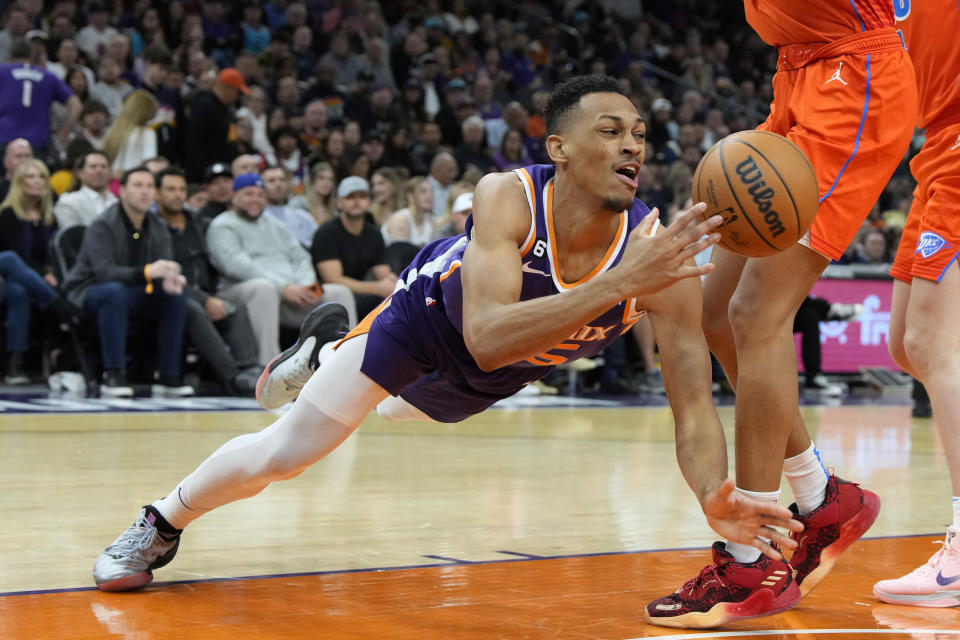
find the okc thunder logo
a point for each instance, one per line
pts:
(929, 244)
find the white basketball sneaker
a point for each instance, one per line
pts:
(935, 584)
(286, 374)
(128, 563)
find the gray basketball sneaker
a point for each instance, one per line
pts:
(286, 374)
(128, 563)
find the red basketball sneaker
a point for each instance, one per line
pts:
(727, 591)
(845, 515)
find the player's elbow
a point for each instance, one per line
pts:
(480, 349)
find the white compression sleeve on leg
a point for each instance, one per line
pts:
(245, 465)
(396, 409)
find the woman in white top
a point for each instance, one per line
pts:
(415, 224)
(129, 142)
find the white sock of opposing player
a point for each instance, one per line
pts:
(743, 552)
(808, 479)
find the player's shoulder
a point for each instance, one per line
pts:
(500, 202)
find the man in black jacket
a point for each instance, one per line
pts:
(210, 119)
(232, 357)
(125, 269)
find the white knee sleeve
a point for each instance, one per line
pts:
(396, 409)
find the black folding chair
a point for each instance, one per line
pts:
(64, 249)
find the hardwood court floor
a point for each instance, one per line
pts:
(535, 523)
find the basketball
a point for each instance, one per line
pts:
(764, 187)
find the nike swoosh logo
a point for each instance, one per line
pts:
(526, 268)
(945, 581)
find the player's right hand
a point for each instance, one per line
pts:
(742, 519)
(652, 263)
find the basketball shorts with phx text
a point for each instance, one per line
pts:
(931, 239)
(852, 112)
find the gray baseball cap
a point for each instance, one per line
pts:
(352, 185)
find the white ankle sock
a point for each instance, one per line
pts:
(808, 479)
(744, 553)
(956, 512)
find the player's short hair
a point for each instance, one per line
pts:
(565, 98)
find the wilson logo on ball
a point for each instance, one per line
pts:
(762, 194)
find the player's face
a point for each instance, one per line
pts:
(605, 147)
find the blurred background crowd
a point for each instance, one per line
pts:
(234, 163)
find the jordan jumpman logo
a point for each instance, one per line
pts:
(836, 75)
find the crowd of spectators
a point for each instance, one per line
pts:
(252, 158)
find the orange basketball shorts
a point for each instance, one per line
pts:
(851, 107)
(931, 239)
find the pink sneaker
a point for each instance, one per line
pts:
(935, 584)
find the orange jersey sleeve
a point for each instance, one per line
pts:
(931, 31)
(783, 22)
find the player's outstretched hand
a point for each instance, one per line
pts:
(742, 519)
(654, 262)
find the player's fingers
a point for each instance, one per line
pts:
(648, 221)
(768, 550)
(687, 219)
(781, 539)
(695, 247)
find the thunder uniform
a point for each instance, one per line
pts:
(931, 240)
(415, 347)
(844, 92)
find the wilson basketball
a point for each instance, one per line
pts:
(764, 187)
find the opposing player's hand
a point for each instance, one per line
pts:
(654, 262)
(742, 519)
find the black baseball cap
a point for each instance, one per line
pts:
(217, 170)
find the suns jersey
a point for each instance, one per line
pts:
(429, 294)
(931, 31)
(786, 22)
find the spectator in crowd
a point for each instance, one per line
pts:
(514, 117)
(320, 193)
(314, 128)
(90, 195)
(93, 38)
(415, 223)
(93, 123)
(872, 248)
(263, 267)
(26, 227)
(386, 187)
(302, 50)
(459, 209)
(256, 35)
(218, 181)
(472, 152)
(513, 154)
(349, 249)
(129, 141)
(16, 24)
(68, 57)
(16, 153)
(443, 173)
(346, 64)
(255, 108)
(245, 163)
(376, 63)
(487, 107)
(26, 95)
(220, 330)
(110, 88)
(208, 129)
(276, 181)
(287, 154)
(125, 269)
(396, 150)
(806, 322)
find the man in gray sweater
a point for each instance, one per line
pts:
(263, 267)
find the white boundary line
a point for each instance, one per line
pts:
(803, 632)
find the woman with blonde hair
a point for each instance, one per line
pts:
(129, 141)
(320, 193)
(414, 224)
(458, 209)
(386, 186)
(26, 226)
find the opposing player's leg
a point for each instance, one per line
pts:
(932, 346)
(331, 406)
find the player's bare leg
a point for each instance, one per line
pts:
(928, 339)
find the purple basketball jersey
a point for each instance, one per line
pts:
(415, 347)
(26, 93)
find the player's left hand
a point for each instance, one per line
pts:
(739, 518)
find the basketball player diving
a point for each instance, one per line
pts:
(557, 261)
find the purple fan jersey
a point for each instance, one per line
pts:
(26, 93)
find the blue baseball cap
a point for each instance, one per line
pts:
(245, 180)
